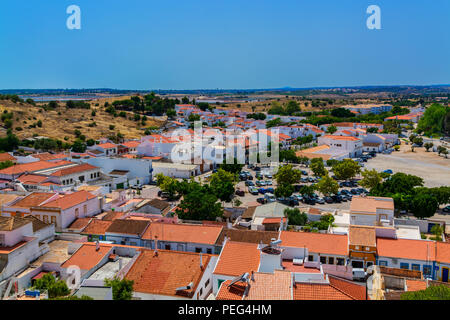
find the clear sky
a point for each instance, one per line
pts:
(209, 44)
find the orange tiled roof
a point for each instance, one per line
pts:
(97, 227)
(33, 200)
(131, 144)
(443, 252)
(316, 242)
(318, 291)
(183, 233)
(86, 257)
(265, 286)
(165, 272)
(33, 166)
(48, 156)
(406, 249)
(362, 236)
(74, 169)
(5, 156)
(370, 204)
(107, 145)
(352, 289)
(80, 223)
(237, 258)
(31, 179)
(341, 138)
(70, 200)
(415, 285)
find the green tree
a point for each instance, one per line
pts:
(317, 167)
(441, 292)
(200, 204)
(424, 205)
(346, 169)
(78, 146)
(284, 190)
(287, 175)
(327, 185)
(6, 164)
(437, 230)
(295, 217)
(122, 289)
(428, 145)
(234, 167)
(222, 184)
(167, 184)
(432, 121)
(331, 129)
(371, 178)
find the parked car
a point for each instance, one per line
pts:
(249, 183)
(388, 171)
(260, 183)
(304, 173)
(354, 191)
(268, 183)
(253, 190)
(446, 209)
(240, 193)
(320, 201)
(336, 198)
(261, 200)
(269, 197)
(328, 199)
(268, 176)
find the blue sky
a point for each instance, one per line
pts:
(199, 44)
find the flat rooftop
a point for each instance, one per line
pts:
(109, 269)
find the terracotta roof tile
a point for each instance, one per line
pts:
(70, 200)
(33, 166)
(33, 200)
(86, 257)
(183, 233)
(352, 289)
(370, 204)
(318, 291)
(132, 227)
(80, 223)
(415, 285)
(4, 156)
(97, 227)
(362, 236)
(165, 272)
(406, 249)
(75, 169)
(316, 242)
(237, 258)
(250, 236)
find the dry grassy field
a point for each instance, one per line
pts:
(62, 122)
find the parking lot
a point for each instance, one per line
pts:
(250, 200)
(433, 169)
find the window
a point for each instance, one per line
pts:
(323, 260)
(219, 282)
(53, 220)
(358, 264)
(201, 291)
(369, 263)
(330, 260)
(45, 217)
(76, 213)
(198, 250)
(427, 270)
(367, 248)
(2, 240)
(382, 263)
(415, 267)
(209, 250)
(340, 261)
(404, 265)
(85, 209)
(310, 258)
(356, 247)
(167, 246)
(207, 283)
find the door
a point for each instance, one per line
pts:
(444, 274)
